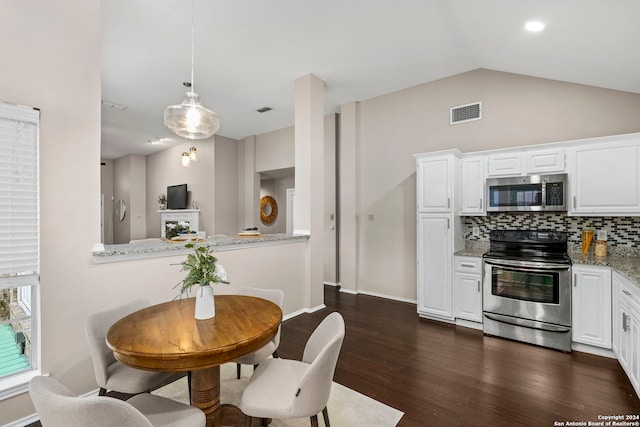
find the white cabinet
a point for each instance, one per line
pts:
(434, 176)
(545, 161)
(626, 327)
(434, 267)
(439, 232)
(505, 164)
(591, 305)
(468, 288)
(472, 185)
(605, 177)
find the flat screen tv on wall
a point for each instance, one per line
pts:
(177, 196)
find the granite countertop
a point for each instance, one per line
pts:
(628, 266)
(153, 248)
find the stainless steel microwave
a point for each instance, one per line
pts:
(532, 193)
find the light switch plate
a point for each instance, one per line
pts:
(601, 235)
(475, 231)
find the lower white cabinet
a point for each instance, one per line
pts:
(467, 282)
(591, 305)
(435, 293)
(626, 327)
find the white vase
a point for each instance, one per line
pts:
(205, 304)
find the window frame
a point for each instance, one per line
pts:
(18, 383)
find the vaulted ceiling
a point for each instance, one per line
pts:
(249, 52)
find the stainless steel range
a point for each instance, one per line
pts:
(527, 287)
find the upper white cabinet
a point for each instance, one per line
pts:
(435, 184)
(526, 162)
(605, 177)
(505, 164)
(472, 181)
(591, 305)
(545, 161)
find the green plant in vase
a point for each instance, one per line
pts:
(202, 268)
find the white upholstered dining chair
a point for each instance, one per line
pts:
(59, 407)
(110, 373)
(284, 388)
(276, 296)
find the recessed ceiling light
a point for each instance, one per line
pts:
(534, 26)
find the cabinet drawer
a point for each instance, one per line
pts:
(468, 264)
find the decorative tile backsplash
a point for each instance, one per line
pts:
(622, 232)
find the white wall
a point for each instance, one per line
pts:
(517, 110)
(275, 150)
(165, 168)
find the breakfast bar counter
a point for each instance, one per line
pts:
(155, 247)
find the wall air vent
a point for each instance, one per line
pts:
(465, 113)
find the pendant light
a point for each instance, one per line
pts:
(191, 119)
(193, 154)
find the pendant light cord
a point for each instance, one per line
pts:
(193, 13)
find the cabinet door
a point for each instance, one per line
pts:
(505, 164)
(545, 161)
(468, 296)
(622, 324)
(472, 186)
(434, 266)
(605, 179)
(434, 184)
(591, 306)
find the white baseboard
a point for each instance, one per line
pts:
(304, 311)
(379, 295)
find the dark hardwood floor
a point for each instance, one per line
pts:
(443, 375)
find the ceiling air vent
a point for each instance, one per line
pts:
(465, 113)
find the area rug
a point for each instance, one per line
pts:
(347, 408)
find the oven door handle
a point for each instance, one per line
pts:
(527, 323)
(521, 266)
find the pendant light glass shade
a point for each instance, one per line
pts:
(191, 119)
(193, 154)
(186, 162)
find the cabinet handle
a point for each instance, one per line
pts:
(625, 324)
(626, 292)
(575, 280)
(480, 204)
(467, 264)
(448, 202)
(478, 285)
(574, 202)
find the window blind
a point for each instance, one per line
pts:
(18, 195)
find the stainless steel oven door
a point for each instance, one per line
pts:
(535, 291)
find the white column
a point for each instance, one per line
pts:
(348, 196)
(309, 176)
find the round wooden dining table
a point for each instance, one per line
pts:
(167, 337)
